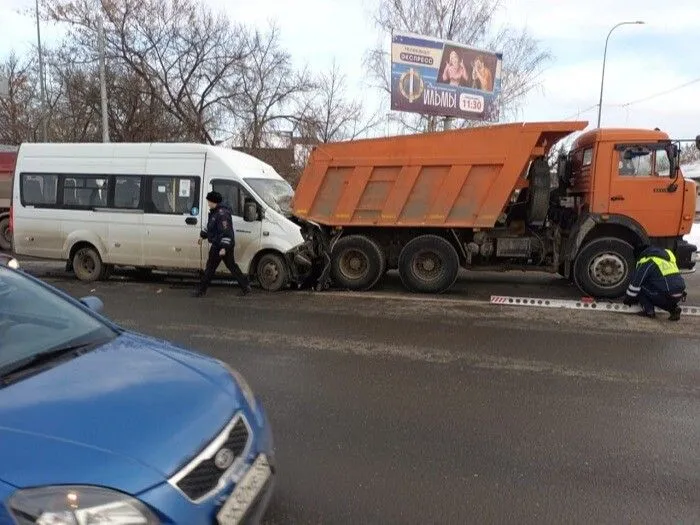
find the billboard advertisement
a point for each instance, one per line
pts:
(442, 78)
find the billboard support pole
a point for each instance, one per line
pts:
(447, 124)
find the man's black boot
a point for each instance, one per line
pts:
(675, 314)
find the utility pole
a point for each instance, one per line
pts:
(42, 82)
(103, 82)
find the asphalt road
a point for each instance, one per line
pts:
(478, 286)
(440, 410)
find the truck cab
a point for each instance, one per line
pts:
(626, 184)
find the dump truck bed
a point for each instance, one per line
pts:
(455, 179)
(7, 167)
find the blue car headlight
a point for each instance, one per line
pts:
(78, 505)
(242, 384)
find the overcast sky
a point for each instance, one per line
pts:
(642, 60)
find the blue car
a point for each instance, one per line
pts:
(99, 425)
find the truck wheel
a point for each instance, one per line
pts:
(5, 234)
(272, 272)
(428, 264)
(357, 262)
(87, 265)
(603, 268)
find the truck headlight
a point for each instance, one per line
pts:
(242, 384)
(78, 505)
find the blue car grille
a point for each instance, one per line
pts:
(206, 475)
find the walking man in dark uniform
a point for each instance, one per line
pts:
(219, 233)
(656, 282)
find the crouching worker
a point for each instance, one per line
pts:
(656, 282)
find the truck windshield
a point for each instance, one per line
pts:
(277, 194)
(34, 320)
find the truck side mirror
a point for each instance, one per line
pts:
(250, 211)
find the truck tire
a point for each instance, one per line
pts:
(604, 267)
(428, 264)
(539, 194)
(357, 263)
(272, 272)
(87, 265)
(5, 234)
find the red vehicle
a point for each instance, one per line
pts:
(7, 168)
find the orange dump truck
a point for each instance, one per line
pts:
(487, 199)
(7, 168)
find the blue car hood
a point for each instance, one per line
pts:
(125, 415)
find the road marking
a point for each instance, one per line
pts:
(415, 298)
(542, 302)
(432, 355)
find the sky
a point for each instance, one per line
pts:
(645, 64)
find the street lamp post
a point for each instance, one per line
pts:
(605, 54)
(42, 82)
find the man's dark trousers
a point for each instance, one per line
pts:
(213, 262)
(650, 299)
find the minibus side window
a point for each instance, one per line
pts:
(172, 195)
(127, 192)
(229, 191)
(234, 195)
(38, 190)
(85, 191)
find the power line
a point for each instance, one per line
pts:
(695, 81)
(638, 101)
(582, 111)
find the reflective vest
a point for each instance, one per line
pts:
(665, 267)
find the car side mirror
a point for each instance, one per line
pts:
(250, 211)
(93, 303)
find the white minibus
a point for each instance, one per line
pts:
(99, 205)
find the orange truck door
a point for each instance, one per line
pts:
(639, 181)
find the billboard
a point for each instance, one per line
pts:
(442, 78)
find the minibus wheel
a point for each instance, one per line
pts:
(272, 272)
(87, 264)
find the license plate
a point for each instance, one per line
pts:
(245, 492)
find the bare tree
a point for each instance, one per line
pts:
(134, 114)
(471, 22)
(183, 54)
(19, 110)
(689, 154)
(329, 114)
(269, 90)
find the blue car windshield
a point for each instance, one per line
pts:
(33, 319)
